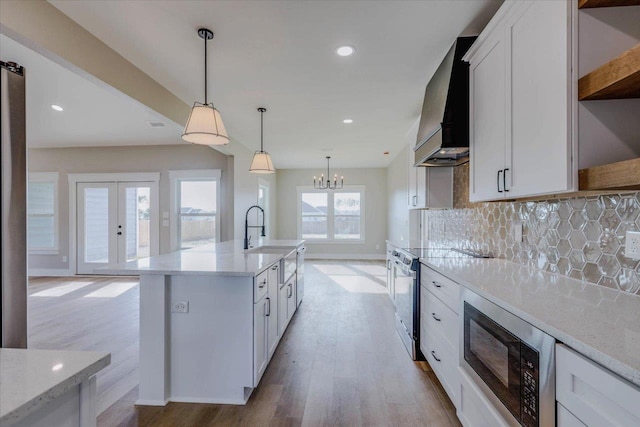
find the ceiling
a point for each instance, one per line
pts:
(281, 55)
(92, 116)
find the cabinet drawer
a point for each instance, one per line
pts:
(443, 359)
(438, 317)
(474, 409)
(567, 419)
(260, 287)
(594, 395)
(445, 289)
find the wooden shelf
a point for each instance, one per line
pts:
(586, 4)
(623, 175)
(617, 79)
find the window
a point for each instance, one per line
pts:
(42, 213)
(196, 198)
(336, 216)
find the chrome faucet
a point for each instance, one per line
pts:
(247, 238)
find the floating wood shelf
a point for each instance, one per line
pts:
(585, 4)
(623, 175)
(617, 79)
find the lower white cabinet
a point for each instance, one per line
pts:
(273, 332)
(474, 409)
(566, 418)
(291, 298)
(260, 331)
(286, 303)
(594, 395)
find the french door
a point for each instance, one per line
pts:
(116, 222)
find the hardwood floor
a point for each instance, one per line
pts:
(339, 363)
(93, 314)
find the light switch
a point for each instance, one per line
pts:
(632, 245)
(165, 222)
(165, 215)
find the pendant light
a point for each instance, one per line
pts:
(261, 159)
(320, 184)
(205, 124)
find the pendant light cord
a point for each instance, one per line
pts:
(262, 131)
(205, 70)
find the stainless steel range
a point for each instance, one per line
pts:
(405, 290)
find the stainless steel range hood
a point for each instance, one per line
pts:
(443, 135)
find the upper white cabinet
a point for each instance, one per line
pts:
(429, 187)
(522, 102)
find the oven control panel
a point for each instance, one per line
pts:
(529, 362)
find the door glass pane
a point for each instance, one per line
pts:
(137, 222)
(41, 211)
(314, 215)
(197, 230)
(347, 215)
(96, 233)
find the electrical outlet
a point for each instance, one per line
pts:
(632, 245)
(180, 307)
(517, 232)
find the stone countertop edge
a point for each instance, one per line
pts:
(607, 361)
(36, 402)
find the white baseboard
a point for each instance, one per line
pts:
(374, 257)
(51, 272)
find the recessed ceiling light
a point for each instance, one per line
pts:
(345, 50)
(57, 107)
(57, 367)
(347, 121)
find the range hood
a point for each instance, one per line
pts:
(443, 135)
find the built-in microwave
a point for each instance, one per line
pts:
(512, 362)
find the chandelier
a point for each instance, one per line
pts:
(321, 184)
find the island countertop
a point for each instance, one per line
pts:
(601, 323)
(31, 378)
(224, 259)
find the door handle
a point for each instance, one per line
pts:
(268, 307)
(504, 180)
(435, 317)
(436, 284)
(433, 353)
(415, 200)
(498, 180)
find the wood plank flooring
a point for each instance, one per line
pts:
(92, 314)
(339, 363)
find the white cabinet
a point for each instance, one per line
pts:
(566, 418)
(273, 334)
(439, 328)
(523, 103)
(429, 187)
(474, 409)
(594, 395)
(291, 298)
(286, 304)
(260, 350)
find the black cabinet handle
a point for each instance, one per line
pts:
(261, 285)
(433, 353)
(275, 267)
(498, 180)
(268, 307)
(504, 180)
(119, 233)
(435, 317)
(436, 284)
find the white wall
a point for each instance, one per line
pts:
(397, 184)
(375, 182)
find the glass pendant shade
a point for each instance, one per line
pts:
(205, 126)
(262, 163)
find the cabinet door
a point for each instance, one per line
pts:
(273, 333)
(421, 187)
(259, 340)
(412, 182)
(291, 298)
(283, 319)
(539, 138)
(487, 91)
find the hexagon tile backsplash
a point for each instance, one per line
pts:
(581, 237)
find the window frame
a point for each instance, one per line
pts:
(331, 213)
(53, 178)
(178, 176)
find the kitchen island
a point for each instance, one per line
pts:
(211, 318)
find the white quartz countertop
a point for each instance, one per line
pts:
(601, 323)
(224, 259)
(31, 378)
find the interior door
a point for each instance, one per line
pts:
(117, 222)
(96, 227)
